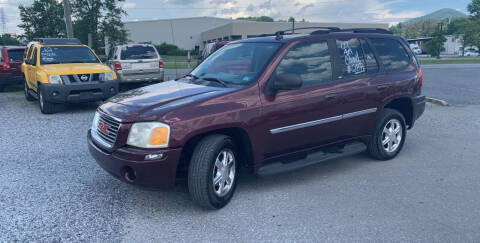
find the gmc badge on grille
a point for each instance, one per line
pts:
(103, 127)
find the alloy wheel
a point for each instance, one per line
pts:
(223, 172)
(392, 135)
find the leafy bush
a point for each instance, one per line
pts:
(170, 50)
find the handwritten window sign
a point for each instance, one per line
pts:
(351, 54)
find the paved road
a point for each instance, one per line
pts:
(52, 190)
(175, 73)
(458, 84)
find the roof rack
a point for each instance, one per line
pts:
(355, 30)
(58, 41)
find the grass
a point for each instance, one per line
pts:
(178, 65)
(166, 58)
(450, 60)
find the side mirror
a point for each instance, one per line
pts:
(103, 58)
(287, 82)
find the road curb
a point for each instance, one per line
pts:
(437, 101)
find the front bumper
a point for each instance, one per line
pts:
(77, 93)
(418, 107)
(151, 173)
(140, 77)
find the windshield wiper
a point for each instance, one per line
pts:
(216, 80)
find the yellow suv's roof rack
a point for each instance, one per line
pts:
(58, 41)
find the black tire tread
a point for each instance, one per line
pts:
(48, 108)
(200, 166)
(372, 147)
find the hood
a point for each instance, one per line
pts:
(150, 102)
(75, 68)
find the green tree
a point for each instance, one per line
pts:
(100, 18)
(436, 45)
(7, 40)
(474, 9)
(44, 18)
(257, 19)
(466, 30)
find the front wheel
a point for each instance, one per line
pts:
(212, 172)
(45, 106)
(389, 135)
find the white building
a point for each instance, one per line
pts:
(186, 33)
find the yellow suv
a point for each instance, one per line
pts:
(62, 70)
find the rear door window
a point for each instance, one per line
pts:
(16, 55)
(138, 52)
(351, 57)
(371, 62)
(310, 60)
(392, 54)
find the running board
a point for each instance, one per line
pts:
(311, 159)
(33, 93)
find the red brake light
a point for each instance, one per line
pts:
(420, 79)
(160, 64)
(118, 66)
(6, 64)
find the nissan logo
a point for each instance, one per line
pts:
(84, 78)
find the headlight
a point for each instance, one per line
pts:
(108, 76)
(55, 79)
(149, 135)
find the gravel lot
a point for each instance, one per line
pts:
(52, 190)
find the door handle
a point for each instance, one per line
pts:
(382, 87)
(330, 96)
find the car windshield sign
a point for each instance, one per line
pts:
(239, 63)
(66, 54)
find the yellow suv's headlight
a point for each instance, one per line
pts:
(55, 79)
(149, 135)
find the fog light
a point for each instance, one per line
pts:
(54, 93)
(153, 156)
(112, 89)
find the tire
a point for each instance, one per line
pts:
(205, 164)
(26, 90)
(45, 106)
(386, 131)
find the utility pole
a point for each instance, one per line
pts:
(3, 20)
(67, 12)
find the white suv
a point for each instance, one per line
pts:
(136, 63)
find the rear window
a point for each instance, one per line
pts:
(138, 52)
(391, 53)
(16, 55)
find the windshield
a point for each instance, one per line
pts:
(66, 54)
(138, 52)
(239, 63)
(16, 55)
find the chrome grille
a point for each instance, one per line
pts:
(80, 78)
(105, 129)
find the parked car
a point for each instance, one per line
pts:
(471, 53)
(271, 104)
(416, 50)
(210, 48)
(11, 58)
(136, 63)
(65, 71)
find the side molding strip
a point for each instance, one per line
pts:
(323, 121)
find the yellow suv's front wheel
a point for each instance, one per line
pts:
(45, 106)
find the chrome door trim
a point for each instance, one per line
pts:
(322, 121)
(306, 124)
(359, 113)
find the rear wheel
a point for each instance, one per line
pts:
(45, 106)
(212, 172)
(389, 135)
(28, 96)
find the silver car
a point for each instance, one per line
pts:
(136, 63)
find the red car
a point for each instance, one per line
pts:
(271, 104)
(11, 58)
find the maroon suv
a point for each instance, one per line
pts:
(11, 58)
(271, 104)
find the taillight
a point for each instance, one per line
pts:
(118, 66)
(160, 64)
(5, 66)
(420, 79)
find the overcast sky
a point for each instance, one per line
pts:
(365, 11)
